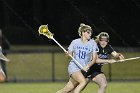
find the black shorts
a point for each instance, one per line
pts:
(94, 74)
(91, 74)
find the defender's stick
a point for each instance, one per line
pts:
(43, 29)
(128, 59)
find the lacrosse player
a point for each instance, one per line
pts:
(105, 50)
(95, 73)
(2, 74)
(84, 50)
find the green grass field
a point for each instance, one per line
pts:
(113, 87)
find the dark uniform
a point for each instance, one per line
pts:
(104, 53)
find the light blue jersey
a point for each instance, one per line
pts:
(82, 52)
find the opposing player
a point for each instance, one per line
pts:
(2, 74)
(105, 50)
(95, 73)
(84, 50)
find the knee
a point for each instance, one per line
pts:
(83, 82)
(103, 85)
(67, 89)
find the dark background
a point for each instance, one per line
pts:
(20, 20)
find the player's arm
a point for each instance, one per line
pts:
(117, 55)
(104, 61)
(2, 57)
(70, 50)
(92, 62)
(114, 54)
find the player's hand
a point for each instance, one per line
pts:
(2, 57)
(6, 60)
(120, 56)
(67, 53)
(86, 68)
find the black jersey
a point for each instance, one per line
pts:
(104, 53)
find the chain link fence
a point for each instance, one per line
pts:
(51, 65)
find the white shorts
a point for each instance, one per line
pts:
(73, 68)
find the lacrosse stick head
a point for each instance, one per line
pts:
(43, 29)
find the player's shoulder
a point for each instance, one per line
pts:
(92, 41)
(76, 40)
(109, 46)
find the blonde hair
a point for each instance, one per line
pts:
(83, 28)
(99, 36)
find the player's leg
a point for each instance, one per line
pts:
(2, 76)
(87, 81)
(78, 76)
(100, 79)
(69, 86)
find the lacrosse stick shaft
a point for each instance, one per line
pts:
(133, 58)
(59, 45)
(128, 59)
(67, 52)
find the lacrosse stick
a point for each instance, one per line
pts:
(128, 59)
(43, 29)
